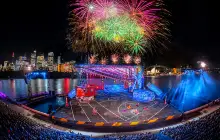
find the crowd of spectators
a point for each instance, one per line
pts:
(15, 126)
(205, 128)
(140, 136)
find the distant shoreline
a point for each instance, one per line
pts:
(20, 75)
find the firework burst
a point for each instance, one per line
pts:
(131, 26)
(103, 61)
(137, 60)
(127, 58)
(115, 58)
(92, 59)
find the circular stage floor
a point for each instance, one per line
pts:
(115, 108)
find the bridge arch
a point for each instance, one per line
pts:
(157, 66)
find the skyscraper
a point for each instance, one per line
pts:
(50, 61)
(40, 61)
(33, 58)
(59, 60)
(13, 56)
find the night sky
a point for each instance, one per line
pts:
(28, 25)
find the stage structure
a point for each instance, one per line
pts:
(131, 76)
(94, 79)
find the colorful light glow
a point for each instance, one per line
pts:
(117, 29)
(193, 86)
(126, 25)
(127, 58)
(103, 61)
(92, 59)
(115, 58)
(91, 7)
(203, 64)
(143, 95)
(137, 60)
(117, 73)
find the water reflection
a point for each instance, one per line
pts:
(17, 88)
(14, 88)
(43, 106)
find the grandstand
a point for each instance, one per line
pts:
(14, 125)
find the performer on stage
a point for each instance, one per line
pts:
(145, 108)
(94, 111)
(128, 106)
(136, 111)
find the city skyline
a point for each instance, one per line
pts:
(194, 30)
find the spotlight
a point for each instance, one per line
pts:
(203, 64)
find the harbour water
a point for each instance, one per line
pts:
(17, 88)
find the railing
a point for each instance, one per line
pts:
(35, 111)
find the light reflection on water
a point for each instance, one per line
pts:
(17, 88)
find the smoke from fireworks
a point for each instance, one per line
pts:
(131, 26)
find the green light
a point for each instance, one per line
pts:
(120, 29)
(117, 29)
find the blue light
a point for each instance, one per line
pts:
(155, 89)
(194, 89)
(114, 89)
(72, 94)
(34, 75)
(60, 101)
(143, 95)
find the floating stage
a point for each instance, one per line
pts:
(116, 108)
(111, 93)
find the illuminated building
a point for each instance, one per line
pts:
(59, 60)
(11, 67)
(50, 61)
(21, 62)
(17, 65)
(5, 65)
(66, 67)
(13, 56)
(33, 58)
(59, 67)
(44, 64)
(40, 61)
(22, 58)
(59, 63)
(55, 67)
